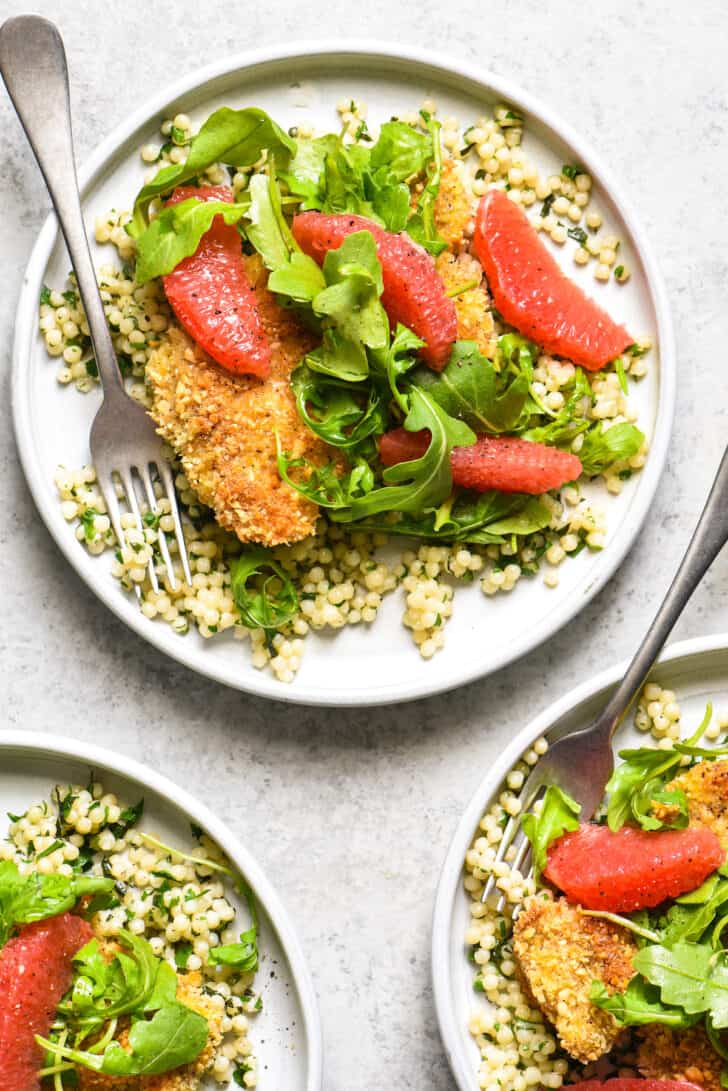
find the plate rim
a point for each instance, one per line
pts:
(449, 881)
(43, 744)
(260, 684)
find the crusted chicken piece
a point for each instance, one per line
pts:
(453, 206)
(706, 788)
(224, 426)
(475, 320)
(665, 1054)
(560, 952)
(189, 1076)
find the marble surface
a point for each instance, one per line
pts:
(351, 811)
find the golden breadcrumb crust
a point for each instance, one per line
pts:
(665, 1054)
(224, 426)
(453, 206)
(475, 321)
(560, 952)
(706, 788)
(186, 1078)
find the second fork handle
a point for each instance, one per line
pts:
(33, 66)
(708, 539)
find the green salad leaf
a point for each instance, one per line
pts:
(267, 228)
(175, 1035)
(559, 814)
(341, 413)
(471, 389)
(133, 981)
(243, 955)
(176, 232)
(235, 137)
(263, 592)
(640, 1005)
(412, 486)
(421, 226)
(35, 897)
(640, 780)
(488, 518)
(691, 976)
(603, 446)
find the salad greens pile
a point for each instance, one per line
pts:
(681, 966)
(121, 985)
(364, 378)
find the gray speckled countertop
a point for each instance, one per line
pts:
(351, 812)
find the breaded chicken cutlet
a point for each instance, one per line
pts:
(706, 789)
(224, 426)
(684, 1055)
(188, 1077)
(453, 213)
(560, 952)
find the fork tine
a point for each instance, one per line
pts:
(146, 479)
(105, 482)
(528, 794)
(165, 475)
(127, 480)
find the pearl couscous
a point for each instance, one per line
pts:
(178, 901)
(340, 575)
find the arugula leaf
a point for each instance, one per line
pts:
(272, 600)
(691, 976)
(634, 783)
(341, 413)
(267, 228)
(134, 981)
(398, 359)
(235, 137)
(182, 954)
(641, 777)
(350, 301)
(604, 446)
(640, 1005)
(301, 279)
(688, 920)
(470, 389)
(176, 232)
(175, 1035)
(421, 226)
(35, 897)
(243, 955)
(401, 151)
(413, 486)
(559, 815)
(424, 482)
(488, 518)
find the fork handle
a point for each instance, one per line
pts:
(33, 66)
(708, 539)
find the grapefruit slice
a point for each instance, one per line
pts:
(534, 295)
(35, 972)
(212, 297)
(505, 463)
(414, 293)
(631, 869)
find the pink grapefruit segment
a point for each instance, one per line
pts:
(505, 463)
(35, 972)
(212, 297)
(534, 295)
(414, 293)
(628, 869)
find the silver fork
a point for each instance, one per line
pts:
(581, 762)
(123, 439)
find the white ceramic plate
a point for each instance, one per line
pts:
(286, 1035)
(698, 672)
(357, 666)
